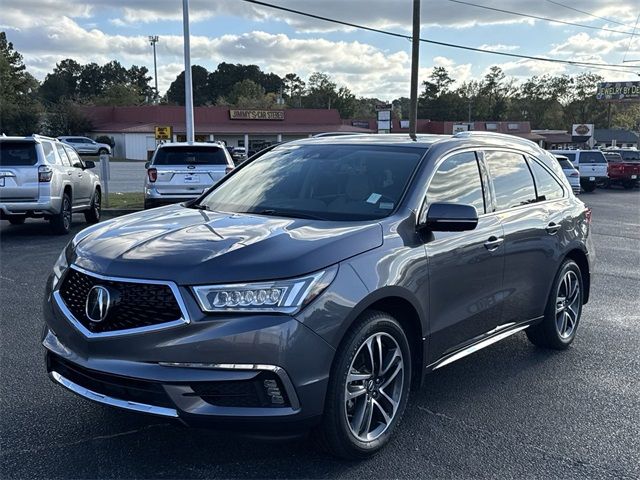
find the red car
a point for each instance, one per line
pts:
(624, 167)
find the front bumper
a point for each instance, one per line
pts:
(196, 372)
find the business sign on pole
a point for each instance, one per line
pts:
(582, 133)
(618, 91)
(460, 127)
(383, 106)
(164, 132)
(384, 120)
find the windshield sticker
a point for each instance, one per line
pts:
(386, 206)
(374, 197)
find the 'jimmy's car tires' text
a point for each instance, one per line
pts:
(564, 307)
(370, 381)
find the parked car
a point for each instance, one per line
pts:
(239, 154)
(86, 146)
(571, 172)
(591, 164)
(623, 171)
(41, 177)
(182, 171)
(316, 284)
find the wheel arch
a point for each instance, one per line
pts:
(401, 305)
(580, 257)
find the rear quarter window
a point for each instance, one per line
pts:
(18, 154)
(196, 155)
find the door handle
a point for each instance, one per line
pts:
(79, 175)
(69, 172)
(552, 228)
(493, 243)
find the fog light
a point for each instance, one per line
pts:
(273, 392)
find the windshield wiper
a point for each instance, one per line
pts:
(279, 213)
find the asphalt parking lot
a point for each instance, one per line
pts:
(511, 410)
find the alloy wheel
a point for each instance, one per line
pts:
(568, 301)
(66, 213)
(373, 390)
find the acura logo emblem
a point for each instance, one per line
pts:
(98, 302)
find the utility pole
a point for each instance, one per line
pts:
(153, 39)
(415, 56)
(188, 85)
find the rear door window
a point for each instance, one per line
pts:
(194, 155)
(548, 188)
(457, 180)
(512, 180)
(63, 155)
(18, 154)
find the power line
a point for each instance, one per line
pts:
(546, 19)
(589, 14)
(631, 39)
(597, 66)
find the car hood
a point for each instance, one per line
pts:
(192, 247)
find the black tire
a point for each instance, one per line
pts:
(93, 214)
(335, 434)
(148, 204)
(589, 187)
(17, 220)
(628, 185)
(548, 333)
(103, 151)
(61, 223)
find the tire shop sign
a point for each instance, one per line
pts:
(256, 114)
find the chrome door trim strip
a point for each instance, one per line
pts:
(477, 346)
(184, 319)
(279, 371)
(114, 402)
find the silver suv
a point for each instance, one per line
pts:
(183, 171)
(41, 177)
(86, 146)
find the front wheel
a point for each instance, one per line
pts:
(103, 151)
(368, 388)
(564, 308)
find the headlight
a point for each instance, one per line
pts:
(282, 296)
(60, 266)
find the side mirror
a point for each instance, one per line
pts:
(450, 217)
(147, 165)
(89, 164)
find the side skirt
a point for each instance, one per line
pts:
(499, 333)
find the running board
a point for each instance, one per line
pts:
(475, 347)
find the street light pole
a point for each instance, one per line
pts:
(188, 85)
(415, 56)
(153, 39)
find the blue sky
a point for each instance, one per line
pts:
(46, 31)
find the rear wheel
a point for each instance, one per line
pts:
(368, 388)
(17, 220)
(61, 223)
(629, 185)
(589, 187)
(564, 307)
(93, 214)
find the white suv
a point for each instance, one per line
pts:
(41, 177)
(183, 171)
(86, 146)
(592, 165)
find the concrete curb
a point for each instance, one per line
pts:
(117, 212)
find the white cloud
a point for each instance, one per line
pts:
(499, 47)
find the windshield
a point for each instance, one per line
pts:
(327, 182)
(198, 155)
(18, 154)
(592, 157)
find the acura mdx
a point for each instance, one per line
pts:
(315, 285)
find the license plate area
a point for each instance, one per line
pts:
(633, 177)
(592, 179)
(191, 178)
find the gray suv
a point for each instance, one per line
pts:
(315, 285)
(87, 146)
(180, 171)
(41, 177)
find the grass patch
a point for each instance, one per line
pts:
(126, 200)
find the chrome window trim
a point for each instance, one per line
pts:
(279, 371)
(184, 319)
(114, 402)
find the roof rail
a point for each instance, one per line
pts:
(476, 133)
